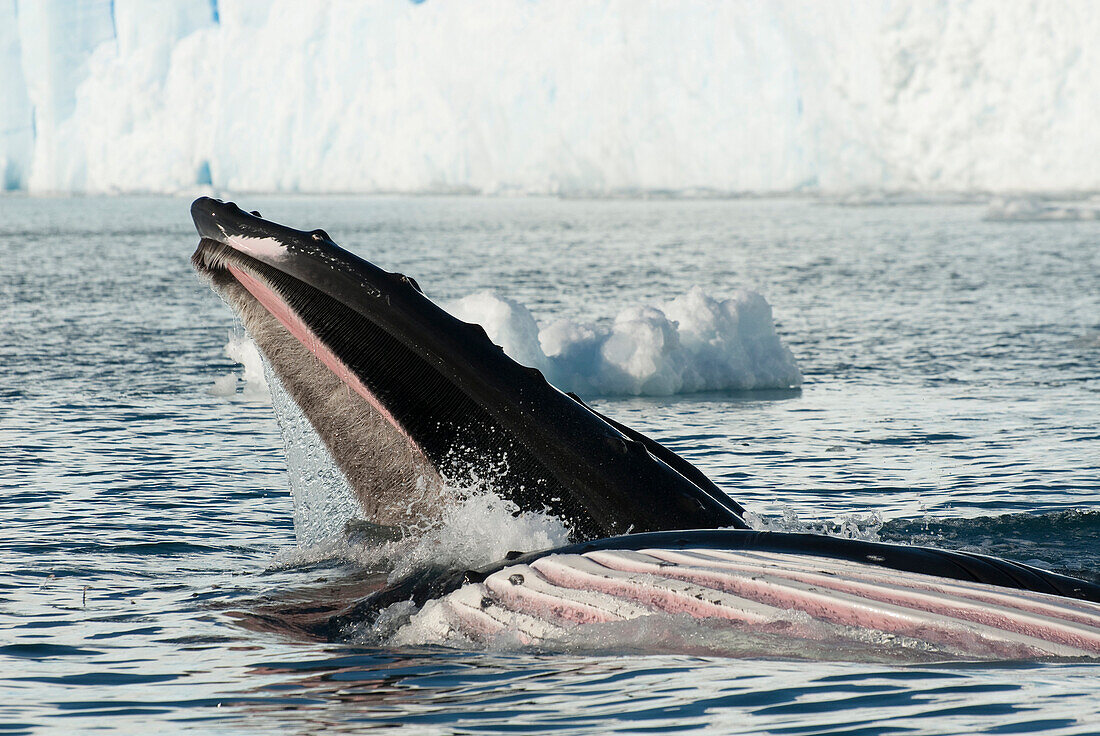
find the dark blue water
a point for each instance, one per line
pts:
(148, 578)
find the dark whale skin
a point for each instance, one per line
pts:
(599, 477)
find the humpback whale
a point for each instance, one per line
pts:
(412, 402)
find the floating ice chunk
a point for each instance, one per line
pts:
(508, 323)
(722, 337)
(1037, 208)
(643, 355)
(576, 351)
(693, 343)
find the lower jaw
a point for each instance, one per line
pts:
(303, 334)
(391, 477)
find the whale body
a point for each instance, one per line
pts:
(412, 402)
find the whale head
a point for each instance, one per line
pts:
(411, 401)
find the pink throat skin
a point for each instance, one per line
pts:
(754, 596)
(279, 309)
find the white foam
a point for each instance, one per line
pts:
(692, 343)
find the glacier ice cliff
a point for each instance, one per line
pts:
(566, 96)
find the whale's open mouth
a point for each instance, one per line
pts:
(406, 396)
(319, 348)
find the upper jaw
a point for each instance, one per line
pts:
(253, 236)
(218, 220)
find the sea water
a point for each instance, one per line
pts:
(150, 574)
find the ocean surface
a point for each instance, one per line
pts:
(150, 579)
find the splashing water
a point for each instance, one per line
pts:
(480, 528)
(865, 527)
(252, 381)
(477, 527)
(323, 501)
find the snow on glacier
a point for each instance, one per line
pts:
(566, 96)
